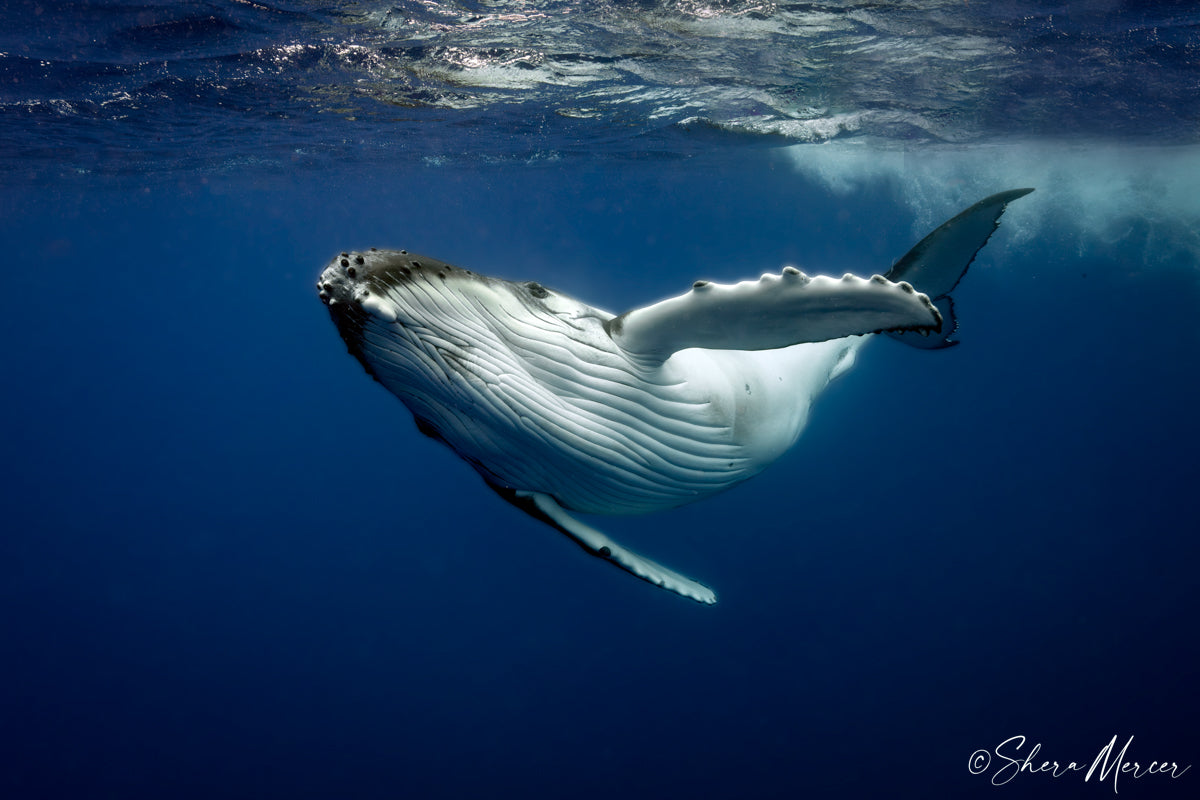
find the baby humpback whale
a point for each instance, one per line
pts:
(563, 407)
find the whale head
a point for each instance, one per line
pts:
(442, 338)
(439, 303)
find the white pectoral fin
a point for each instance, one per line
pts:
(549, 511)
(774, 311)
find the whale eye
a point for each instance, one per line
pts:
(537, 290)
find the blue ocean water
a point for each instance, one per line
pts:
(231, 566)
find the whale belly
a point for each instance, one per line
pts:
(766, 395)
(714, 419)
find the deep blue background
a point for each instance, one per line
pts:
(232, 567)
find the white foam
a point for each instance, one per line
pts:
(1098, 195)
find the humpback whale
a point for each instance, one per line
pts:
(562, 407)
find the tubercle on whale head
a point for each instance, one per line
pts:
(359, 281)
(335, 285)
(367, 288)
(350, 272)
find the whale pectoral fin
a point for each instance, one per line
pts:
(940, 341)
(545, 508)
(774, 311)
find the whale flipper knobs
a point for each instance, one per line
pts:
(562, 407)
(772, 312)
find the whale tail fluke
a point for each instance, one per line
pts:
(939, 261)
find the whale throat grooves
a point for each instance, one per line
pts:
(491, 375)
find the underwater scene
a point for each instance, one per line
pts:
(347, 342)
